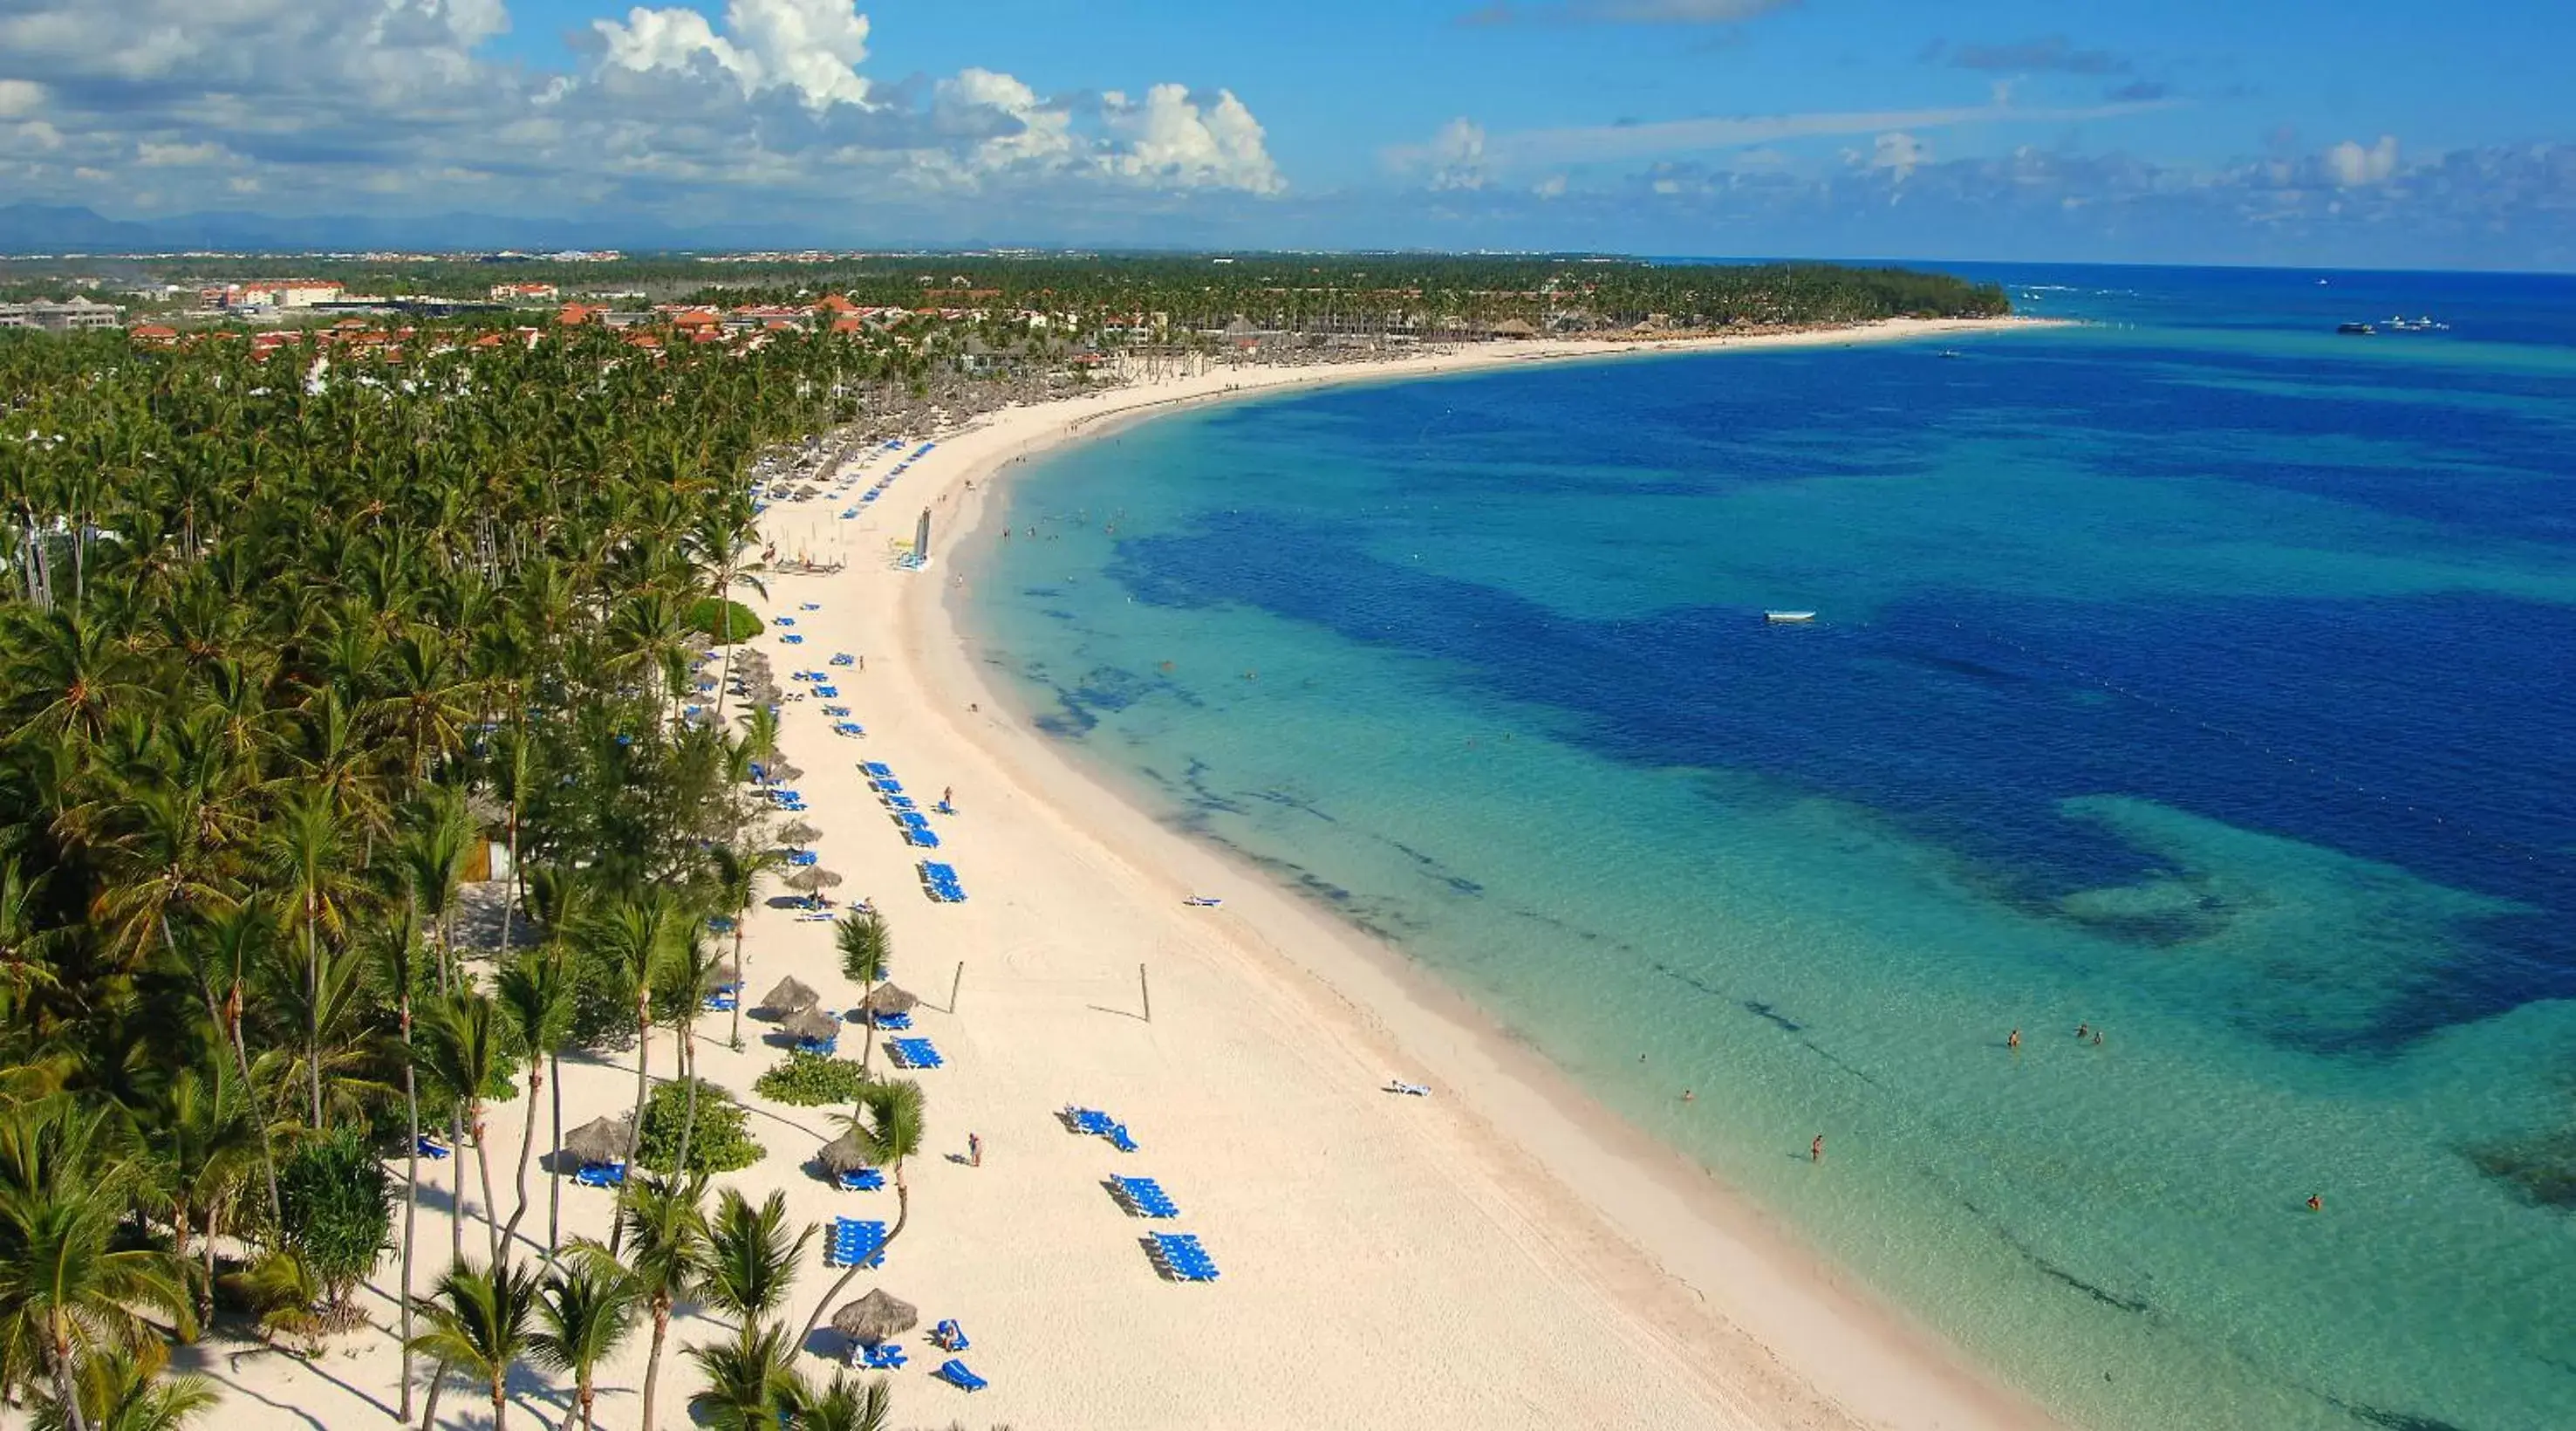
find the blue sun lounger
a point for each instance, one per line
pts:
(897, 1022)
(430, 1148)
(915, 1053)
(1118, 1139)
(848, 727)
(722, 1001)
(836, 710)
(884, 1356)
(1091, 1121)
(861, 1180)
(912, 819)
(601, 1175)
(832, 691)
(921, 839)
(792, 639)
(950, 1336)
(954, 1372)
(877, 768)
(844, 658)
(1146, 1197)
(782, 621)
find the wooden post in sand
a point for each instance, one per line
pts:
(953, 981)
(1145, 991)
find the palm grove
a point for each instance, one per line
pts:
(281, 647)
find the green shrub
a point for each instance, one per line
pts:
(720, 1144)
(337, 1203)
(740, 624)
(810, 1080)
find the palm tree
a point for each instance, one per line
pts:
(847, 1405)
(207, 1143)
(70, 1289)
(464, 1050)
(737, 876)
(121, 1391)
(686, 974)
(306, 851)
(668, 1230)
(867, 947)
(536, 995)
(751, 1381)
(556, 900)
(635, 939)
(398, 949)
(751, 1258)
(589, 1306)
(889, 1127)
(481, 1322)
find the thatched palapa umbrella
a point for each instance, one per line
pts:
(813, 879)
(843, 1154)
(888, 999)
(601, 1140)
(790, 997)
(875, 1318)
(783, 770)
(798, 835)
(812, 1024)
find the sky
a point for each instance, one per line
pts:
(2357, 133)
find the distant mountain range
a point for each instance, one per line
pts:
(46, 228)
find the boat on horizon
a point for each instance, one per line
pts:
(2363, 330)
(1788, 618)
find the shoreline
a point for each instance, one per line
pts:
(1765, 1327)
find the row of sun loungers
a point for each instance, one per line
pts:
(601, 1175)
(862, 1180)
(1181, 1258)
(1145, 1197)
(855, 1243)
(914, 1053)
(940, 881)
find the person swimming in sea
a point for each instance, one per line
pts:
(2081, 1030)
(1816, 1149)
(2014, 1042)
(2316, 1202)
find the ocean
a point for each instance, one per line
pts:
(2197, 676)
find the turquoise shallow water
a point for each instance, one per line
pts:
(2200, 678)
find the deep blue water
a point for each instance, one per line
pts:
(2199, 673)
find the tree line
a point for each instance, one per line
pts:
(285, 648)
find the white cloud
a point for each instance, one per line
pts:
(766, 104)
(811, 46)
(1458, 156)
(1170, 137)
(177, 156)
(1899, 153)
(1551, 187)
(2355, 167)
(1543, 147)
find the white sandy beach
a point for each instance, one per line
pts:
(1499, 1254)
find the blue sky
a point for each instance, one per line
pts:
(2363, 132)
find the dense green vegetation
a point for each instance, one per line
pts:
(276, 657)
(810, 1080)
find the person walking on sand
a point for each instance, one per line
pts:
(947, 797)
(1816, 1149)
(974, 1150)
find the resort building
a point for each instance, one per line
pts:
(80, 315)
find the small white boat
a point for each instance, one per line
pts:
(1788, 618)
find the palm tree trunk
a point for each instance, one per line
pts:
(689, 1108)
(456, 1188)
(67, 1387)
(411, 1199)
(437, 1379)
(741, 975)
(554, 1175)
(653, 1365)
(209, 1250)
(483, 1169)
(868, 1044)
(635, 1121)
(313, 1015)
(500, 1397)
(527, 1145)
